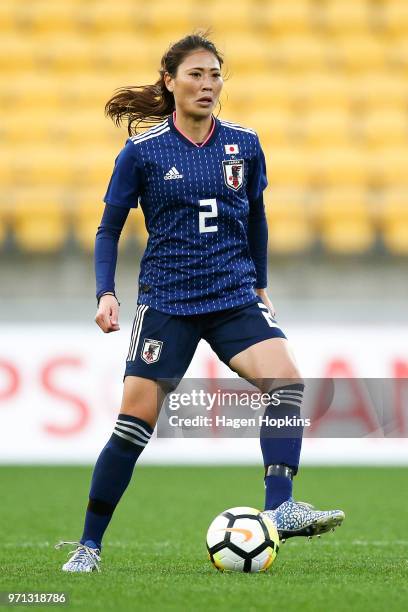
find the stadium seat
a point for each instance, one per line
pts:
(394, 221)
(345, 222)
(385, 128)
(319, 90)
(264, 91)
(176, 22)
(395, 15)
(289, 224)
(273, 127)
(343, 17)
(322, 82)
(45, 16)
(248, 53)
(7, 17)
(102, 18)
(357, 53)
(288, 166)
(6, 203)
(381, 91)
(39, 222)
(390, 166)
(330, 128)
(397, 54)
(86, 215)
(340, 166)
(239, 17)
(137, 227)
(55, 166)
(296, 53)
(16, 53)
(283, 18)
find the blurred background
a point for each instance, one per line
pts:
(324, 83)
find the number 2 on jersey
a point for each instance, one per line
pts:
(207, 214)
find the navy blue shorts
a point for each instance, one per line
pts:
(162, 345)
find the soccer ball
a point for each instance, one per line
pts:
(242, 540)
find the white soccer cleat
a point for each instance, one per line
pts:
(84, 558)
(300, 519)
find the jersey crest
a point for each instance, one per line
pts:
(233, 173)
(151, 350)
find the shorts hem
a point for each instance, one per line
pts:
(277, 334)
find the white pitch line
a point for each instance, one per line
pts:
(169, 544)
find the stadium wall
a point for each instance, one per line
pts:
(60, 388)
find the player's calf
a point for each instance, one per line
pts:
(112, 473)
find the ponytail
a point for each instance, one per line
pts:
(149, 104)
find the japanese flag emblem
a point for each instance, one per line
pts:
(231, 149)
(151, 350)
(233, 173)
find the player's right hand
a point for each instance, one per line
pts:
(107, 315)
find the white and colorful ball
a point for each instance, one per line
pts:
(242, 540)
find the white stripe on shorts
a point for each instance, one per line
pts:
(137, 326)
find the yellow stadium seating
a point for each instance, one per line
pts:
(72, 130)
(377, 91)
(322, 82)
(345, 223)
(16, 53)
(175, 21)
(274, 127)
(394, 221)
(390, 166)
(39, 222)
(397, 54)
(31, 91)
(323, 129)
(237, 17)
(283, 18)
(322, 91)
(385, 128)
(340, 166)
(86, 216)
(246, 54)
(56, 166)
(343, 16)
(357, 53)
(289, 223)
(296, 53)
(288, 166)
(395, 15)
(7, 17)
(5, 204)
(137, 226)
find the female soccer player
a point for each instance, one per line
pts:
(199, 181)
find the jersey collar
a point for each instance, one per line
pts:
(207, 142)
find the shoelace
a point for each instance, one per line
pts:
(81, 551)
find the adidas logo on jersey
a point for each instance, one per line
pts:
(173, 173)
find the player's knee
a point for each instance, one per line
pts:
(287, 375)
(142, 399)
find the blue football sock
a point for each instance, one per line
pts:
(281, 446)
(112, 474)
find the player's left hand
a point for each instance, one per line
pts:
(264, 297)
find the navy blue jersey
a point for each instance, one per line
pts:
(195, 201)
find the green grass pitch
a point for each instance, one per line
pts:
(154, 556)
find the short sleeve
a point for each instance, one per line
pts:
(126, 180)
(257, 180)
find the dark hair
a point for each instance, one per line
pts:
(150, 104)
